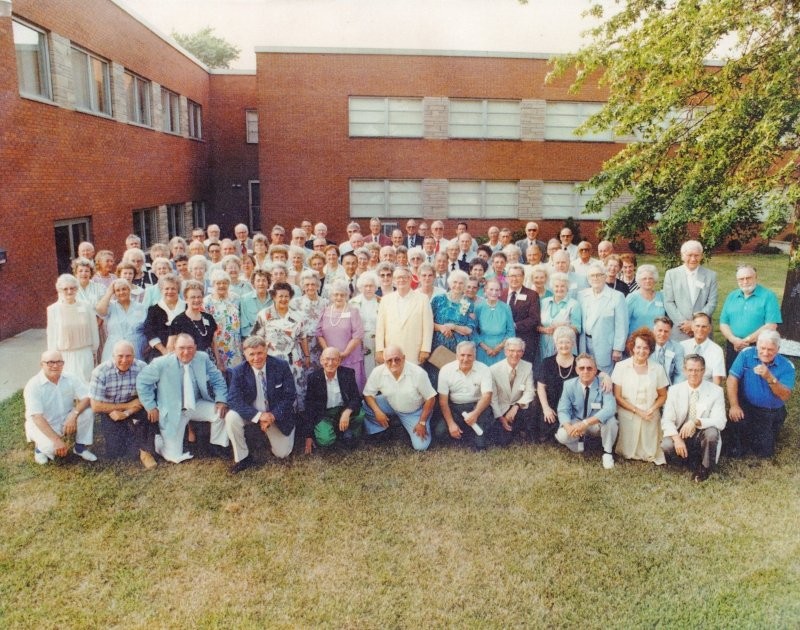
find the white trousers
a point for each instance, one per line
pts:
(170, 446)
(280, 444)
(607, 432)
(84, 434)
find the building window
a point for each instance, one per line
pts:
(170, 111)
(138, 92)
(145, 226)
(33, 66)
(251, 126)
(562, 200)
(476, 200)
(199, 214)
(484, 119)
(254, 200)
(92, 82)
(394, 117)
(562, 119)
(385, 198)
(195, 120)
(69, 234)
(175, 223)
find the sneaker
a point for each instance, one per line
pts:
(608, 461)
(148, 461)
(40, 458)
(85, 454)
(580, 448)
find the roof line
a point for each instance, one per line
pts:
(418, 52)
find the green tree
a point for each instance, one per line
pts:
(212, 50)
(717, 142)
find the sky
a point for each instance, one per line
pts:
(541, 26)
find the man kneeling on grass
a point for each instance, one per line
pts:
(584, 408)
(333, 402)
(57, 405)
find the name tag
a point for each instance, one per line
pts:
(699, 284)
(659, 304)
(669, 353)
(596, 405)
(346, 315)
(521, 297)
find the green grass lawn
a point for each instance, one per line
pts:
(383, 537)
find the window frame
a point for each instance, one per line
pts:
(390, 119)
(94, 105)
(195, 111)
(486, 189)
(578, 203)
(199, 214)
(581, 116)
(485, 125)
(170, 120)
(388, 189)
(145, 225)
(144, 115)
(43, 62)
(176, 222)
(73, 240)
(251, 126)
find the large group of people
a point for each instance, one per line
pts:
(319, 343)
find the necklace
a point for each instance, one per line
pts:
(330, 317)
(563, 376)
(203, 332)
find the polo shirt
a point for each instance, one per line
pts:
(756, 390)
(405, 394)
(52, 400)
(463, 388)
(745, 315)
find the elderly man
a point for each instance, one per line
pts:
(668, 353)
(56, 405)
(746, 313)
(213, 233)
(493, 235)
(465, 254)
(581, 264)
(405, 319)
(584, 408)
(412, 238)
(524, 304)
(565, 237)
(244, 244)
(692, 419)
(349, 245)
(560, 262)
(465, 397)
(333, 402)
(298, 238)
(86, 250)
(114, 398)
(132, 241)
(402, 389)
(277, 235)
(437, 231)
(531, 239)
(512, 393)
(182, 386)
(759, 385)
(604, 320)
(261, 392)
(198, 234)
(689, 289)
(320, 231)
(705, 346)
(375, 233)
(604, 250)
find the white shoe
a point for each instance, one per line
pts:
(40, 458)
(608, 461)
(579, 448)
(86, 455)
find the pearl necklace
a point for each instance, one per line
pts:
(330, 317)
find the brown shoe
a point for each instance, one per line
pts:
(147, 460)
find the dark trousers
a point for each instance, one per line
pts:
(701, 448)
(485, 421)
(136, 430)
(541, 430)
(523, 421)
(757, 431)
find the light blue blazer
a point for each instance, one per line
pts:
(608, 326)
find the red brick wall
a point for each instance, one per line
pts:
(233, 161)
(60, 164)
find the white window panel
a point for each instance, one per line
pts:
(251, 125)
(195, 120)
(561, 200)
(482, 199)
(472, 118)
(562, 119)
(33, 61)
(92, 82)
(385, 198)
(384, 116)
(138, 93)
(170, 111)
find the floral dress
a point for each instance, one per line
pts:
(228, 336)
(445, 311)
(312, 312)
(283, 335)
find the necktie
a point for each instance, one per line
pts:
(188, 388)
(513, 299)
(512, 377)
(660, 356)
(464, 257)
(436, 249)
(692, 415)
(262, 377)
(697, 350)
(244, 248)
(585, 402)
(352, 288)
(452, 267)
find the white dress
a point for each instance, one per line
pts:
(368, 309)
(72, 330)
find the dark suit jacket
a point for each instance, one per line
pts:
(382, 239)
(417, 240)
(281, 393)
(317, 393)
(527, 318)
(310, 243)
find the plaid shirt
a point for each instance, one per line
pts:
(112, 386)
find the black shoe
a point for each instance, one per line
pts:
(239, 466)
(219, 451)
(700, 475)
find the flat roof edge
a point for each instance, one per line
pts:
(232, 71)
(416, 52)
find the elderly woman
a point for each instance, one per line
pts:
(311, 305)
(385, 271)
(533, 255)
(362, 254)
(628, 273)
(316, 263)
(198, 268)
(557, 310)
(297, 263)
(127, 271)
(613, 267)
(248, 267)
(550, 377)
(604, 319)
(88, 292)
(452, 314)
(538, 280)
(124, 319)
(495, 324)
(279, 253)
(260, 250)
(225, 311)
(152, 294)
(177, 247)
(427, 274)
(194, 321)
(640, 387)
(284, 329)
(251, 304)
(645, 304)
(104, 268)
(72, 329)
(232, 265)
(160, 316)
(332, 268)
(374, 250)
(513, 254)
(135, 257)
(415, 258)
(367, 304)
(477, 271)
(340, 327)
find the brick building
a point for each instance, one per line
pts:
(107, 128)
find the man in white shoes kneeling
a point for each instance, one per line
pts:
(57, 405)
(585, 409)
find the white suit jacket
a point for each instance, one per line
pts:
(710, 407)
(413, 331)
(502, 395)
(677, 298)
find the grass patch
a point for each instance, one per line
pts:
(385, 537)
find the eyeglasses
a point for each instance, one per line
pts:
(584, 368)
(69, 289)
(53, 363)
(394, 360)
